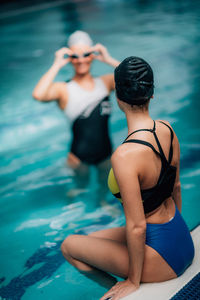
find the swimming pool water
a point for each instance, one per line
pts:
(36, 214)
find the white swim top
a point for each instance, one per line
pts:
(79, 99)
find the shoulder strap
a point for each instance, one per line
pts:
(159, 146)
(151, 130)
(160, 153)
(171, 146)
(143, 143)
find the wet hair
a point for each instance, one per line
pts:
(134, 81)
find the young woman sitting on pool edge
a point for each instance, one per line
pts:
(85, 102)
(155, 244)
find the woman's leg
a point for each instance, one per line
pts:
(116, 234)
(113, 234)
(82, 175)
(101, 277)
(88, 253)
(102, 170)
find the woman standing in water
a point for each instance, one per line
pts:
(155, 244)
(84, 100)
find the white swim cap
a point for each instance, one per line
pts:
(79, 38)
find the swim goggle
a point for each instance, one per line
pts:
(76, 56)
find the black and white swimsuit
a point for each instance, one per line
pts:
(89, 112)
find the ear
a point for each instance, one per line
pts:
(152, 96)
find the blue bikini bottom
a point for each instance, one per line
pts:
(172, 240)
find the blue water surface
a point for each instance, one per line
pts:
(36, 212)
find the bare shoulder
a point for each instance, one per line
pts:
(166, 122)
(108, 80)
(119, 153)
(129, 155)
(176, 145)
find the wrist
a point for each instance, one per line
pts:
(113, 62)
(134, 282)
(56, 67)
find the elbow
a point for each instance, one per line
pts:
(36, 96)
(138, 230)
(177, 187)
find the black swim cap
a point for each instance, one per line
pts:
(134, 81)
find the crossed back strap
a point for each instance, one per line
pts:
(160, 153)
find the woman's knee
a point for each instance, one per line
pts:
(70, 247)
(67, 245)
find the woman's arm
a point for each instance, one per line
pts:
(45, 89)
(104, 56)
(126, 167)
(176, 195)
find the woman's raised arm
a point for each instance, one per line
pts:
(46, 89)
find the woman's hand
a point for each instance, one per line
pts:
(60, 60)
(120, 290)
(103, 55)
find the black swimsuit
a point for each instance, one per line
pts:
(153, 197)
(91, 142)
(172, 240)
(89, 113)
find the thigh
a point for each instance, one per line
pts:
(111, 255)
(73, 161)
(116, 234)
(102, 253)
(155, 267)
(81, 170)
